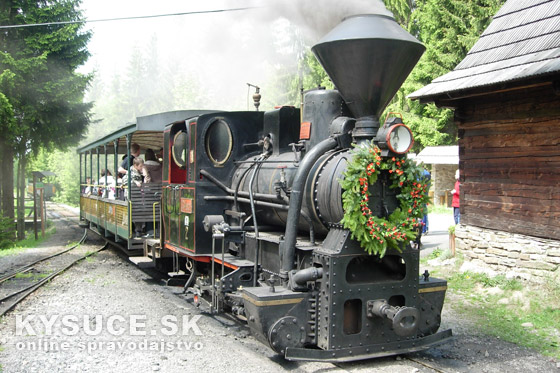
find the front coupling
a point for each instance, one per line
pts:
(405, 320)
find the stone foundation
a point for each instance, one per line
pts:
(514, 255)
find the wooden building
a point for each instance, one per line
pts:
(506, 96)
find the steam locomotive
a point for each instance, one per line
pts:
(251, 208)
(252, 201)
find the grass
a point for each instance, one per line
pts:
(90, 256)
(31, 275)
(28, 242)
(436, 253)
(513, 310)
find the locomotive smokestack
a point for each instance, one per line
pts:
(368, 57)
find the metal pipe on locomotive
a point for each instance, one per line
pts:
(252, 202)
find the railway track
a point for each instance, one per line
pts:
(16, 285)
(425, 364)
(57, 211)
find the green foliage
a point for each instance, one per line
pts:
(31, 275)
(448, 29)
(503, 314)
(435, 254)
(39, 80)
(468, 280)
(44, 89)
(28, 242)
(316, 75)
(65, 165)
(7, 229)
(146, 87)
(402, 10)
(451, 229)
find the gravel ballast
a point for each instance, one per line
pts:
(110, 316)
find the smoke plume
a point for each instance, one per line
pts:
(317, 18)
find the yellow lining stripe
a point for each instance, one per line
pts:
(276, 302)
(431, 290)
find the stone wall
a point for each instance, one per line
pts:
(514, 255)
(443, 181)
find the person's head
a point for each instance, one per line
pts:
(105, 172)
(138, 163)
(150, 155)
(135, 149)
(457, 175)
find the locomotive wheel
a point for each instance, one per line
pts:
(286, 332)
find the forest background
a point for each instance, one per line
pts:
(153, 82)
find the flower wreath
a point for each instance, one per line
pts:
(376, 234)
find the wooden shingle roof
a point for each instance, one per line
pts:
(521, 42)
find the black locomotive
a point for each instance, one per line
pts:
(251, 206)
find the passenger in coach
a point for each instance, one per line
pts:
(126, 163)
(152, 168)
(98, 190)
(135, 172)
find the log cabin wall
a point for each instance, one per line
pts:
(510, 161)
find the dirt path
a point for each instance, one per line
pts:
(109, 316)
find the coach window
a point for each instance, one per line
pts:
(218, 142)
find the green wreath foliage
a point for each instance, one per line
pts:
(377, 234)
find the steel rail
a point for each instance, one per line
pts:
(30, 289)
(27, 267)
(427, 365)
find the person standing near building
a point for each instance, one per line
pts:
(456, 201)
(427, 179)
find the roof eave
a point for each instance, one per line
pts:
(451, 98)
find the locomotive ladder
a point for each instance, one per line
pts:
(217, 234)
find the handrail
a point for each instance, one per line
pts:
(129, 219)
(105, 186)
(154, 216)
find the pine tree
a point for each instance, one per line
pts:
(448, 29)
(41, 83)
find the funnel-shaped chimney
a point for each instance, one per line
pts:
(368, 57)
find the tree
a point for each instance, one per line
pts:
(66, 169)
(448, 29)
(42, 85)
(6, 171)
